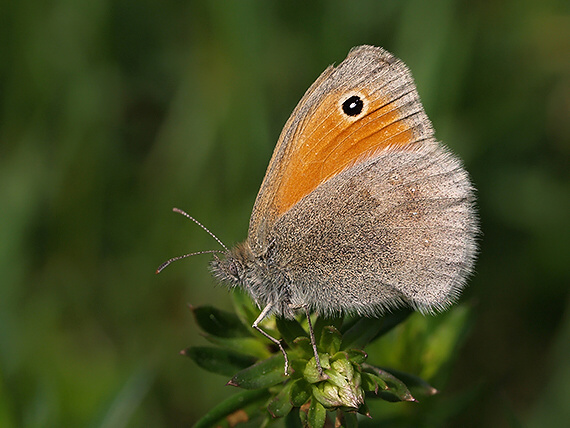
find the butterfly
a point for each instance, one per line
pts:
(361, 209)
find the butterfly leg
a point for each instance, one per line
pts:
(314, 344)
(260, 318)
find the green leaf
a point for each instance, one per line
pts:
(348, 322)
(231, 405)
(342, 388)
(396, 389)
(361, 333)
(364, 410)
(293, 419)
(326, 394)
(322, 322)
(348, 419)
(245, 345)
(297, 367)
(356, 356)
(302, 345)
(246, 309)
(300, 392)
(372, 383)
(216, 360)
(413, 382)
(340, 372)
(289, 329)
(281, 404)
(219, 323)
(265, 373)
(366, 330)
(311, 373)
(317, 415)
(330, 340)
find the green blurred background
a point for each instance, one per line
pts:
(113, 112)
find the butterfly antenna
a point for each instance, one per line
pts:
(173, 259)
(185, 214)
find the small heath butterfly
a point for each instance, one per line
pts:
(361, 209)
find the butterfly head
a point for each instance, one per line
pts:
(266, 284)
(232, 267)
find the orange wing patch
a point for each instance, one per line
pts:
(325, 147)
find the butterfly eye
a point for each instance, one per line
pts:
(233, 270)
(353, 106)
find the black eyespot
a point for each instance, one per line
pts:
(353, 106)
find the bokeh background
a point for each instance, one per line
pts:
(113, 112)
